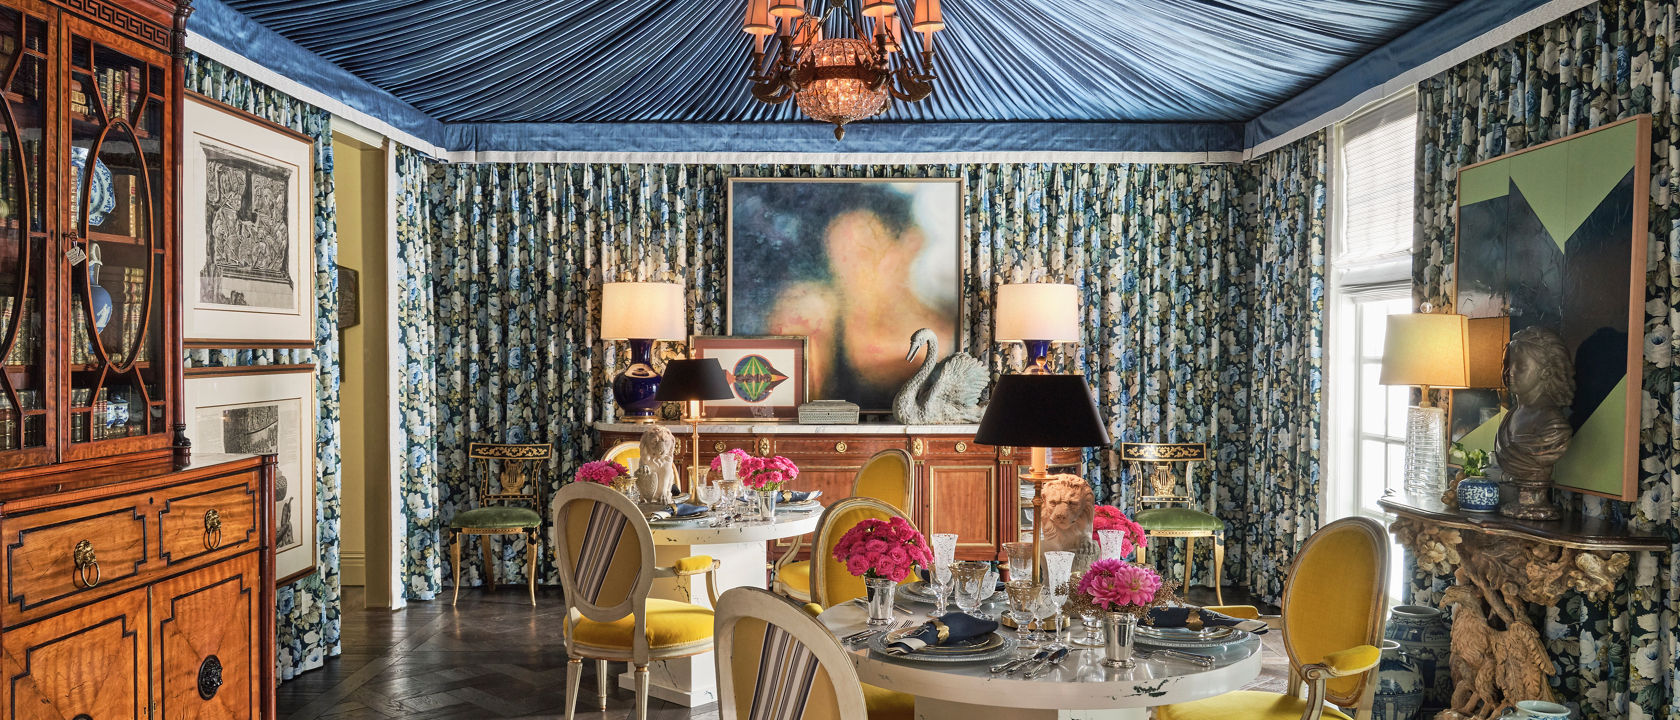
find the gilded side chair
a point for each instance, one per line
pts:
(776, 661)
(508, 504)
(1333, 609)
(888, 476)
(604, 552)
(1163, 512)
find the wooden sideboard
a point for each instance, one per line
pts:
(961, 487)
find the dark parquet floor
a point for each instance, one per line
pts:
(493, 656)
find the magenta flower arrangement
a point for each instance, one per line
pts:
(603, 472)
(1119, 586)
(1109, 517)
(883, 549)
(761, 473)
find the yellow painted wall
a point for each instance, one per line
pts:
(359, 184)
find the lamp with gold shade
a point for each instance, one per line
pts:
(1041, 412)
(1427, 350)
(642, 313)
(1037, 314)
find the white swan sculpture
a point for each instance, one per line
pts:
(943, 393)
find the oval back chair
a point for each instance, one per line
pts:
(776, 661)
(831, 584)
(889, 476)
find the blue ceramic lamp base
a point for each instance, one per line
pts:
(635, 387)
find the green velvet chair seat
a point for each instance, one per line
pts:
(1176, 519)
(495, 517)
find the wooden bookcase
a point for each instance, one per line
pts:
(139, 581)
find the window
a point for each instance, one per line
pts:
(1370, 278)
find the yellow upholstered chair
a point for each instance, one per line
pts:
(507, 485)
(628, 454)
(830, 583)
(1162, 512)
(1333, 623)
(775, 661)
(888, 476)
(605, 556)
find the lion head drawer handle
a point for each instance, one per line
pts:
(209, 677)
(212, 529)
(86, 563)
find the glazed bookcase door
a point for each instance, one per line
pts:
(27, 44)
(116, 121)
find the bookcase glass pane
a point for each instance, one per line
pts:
(23, 240)
(117, 151)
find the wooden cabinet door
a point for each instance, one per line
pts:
(89, 663)
(962, 498)
(205, 661)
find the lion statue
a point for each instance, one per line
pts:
(656, 472)
(1069, 511)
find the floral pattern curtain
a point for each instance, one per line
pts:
(307, 612)
(1611, 60)
(517, 253)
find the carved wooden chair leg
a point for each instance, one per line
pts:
(1219, 566)
(532, 553)
(1189, 564)
(455, 558)
(574, 675)
(601, 682)
(489, 565)
(1143, 551)
(641, 692)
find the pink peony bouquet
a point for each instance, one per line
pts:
(760, 473)
(883, 549)
(1119, 586)
(1109, 517)
(604, 472)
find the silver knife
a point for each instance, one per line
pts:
(1039, 662)
(1044, 667)
(1203, 660)
(1017, 662)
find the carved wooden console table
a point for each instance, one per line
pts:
(1500, 564)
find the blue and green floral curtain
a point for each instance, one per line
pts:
(307, 612)
(1608, 61)
(1174, 293)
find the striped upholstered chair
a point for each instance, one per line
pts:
(776, 661)
(604, 552)
(888, 476)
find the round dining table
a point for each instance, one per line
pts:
(1080, 688)
(741, 550)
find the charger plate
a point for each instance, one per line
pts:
(1186, 638)
(985, 648)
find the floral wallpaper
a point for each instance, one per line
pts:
(307, 611)
(1608, 61)
(1174, 290)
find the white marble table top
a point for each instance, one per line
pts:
(699, 532)
(747, 427)
(1080, 683)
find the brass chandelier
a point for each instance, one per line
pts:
(840, 79)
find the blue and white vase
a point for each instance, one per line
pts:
(1426, 637)
(1478, 494)
(1399, 685)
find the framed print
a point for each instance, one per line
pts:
(248, 252)
(854, 265)
(1554, 236)
(266, 412)
(766, 372)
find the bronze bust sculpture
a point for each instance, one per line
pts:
(1535, 433)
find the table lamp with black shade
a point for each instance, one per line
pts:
(1041, 412)
(693, 381)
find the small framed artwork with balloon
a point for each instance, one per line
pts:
(766, 372)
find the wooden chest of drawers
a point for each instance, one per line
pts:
(146, 599)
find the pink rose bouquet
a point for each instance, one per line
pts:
(887, 549)
(769, 473)
(604, 472)
(1109, 517)
(1119, 586)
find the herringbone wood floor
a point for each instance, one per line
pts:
(493, 656)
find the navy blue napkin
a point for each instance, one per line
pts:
(1179, 617)
(796, 496)
(953, 627)
(683, 510)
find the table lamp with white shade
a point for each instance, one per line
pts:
(1037, 314)
(642, 313)
(1427, 350)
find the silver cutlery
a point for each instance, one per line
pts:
(1048, 652)
(1055, 660)
(1193, 658)
(1017, 662)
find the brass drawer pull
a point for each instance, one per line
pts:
(764, 447)
(840, 447)
(212, 529)
(719, 446)
(85, 561)
(962, 447)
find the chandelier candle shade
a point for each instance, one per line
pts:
(1041, 412)
(842, 79)
(691, 382)
(1427, 350)
(1037, 314)
(642, 313)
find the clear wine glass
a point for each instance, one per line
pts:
(966, 578)
(709, 494)
(1020, 560)
(1022, 594)
(1058, 568)
(1113, 543)
(939, 580)
(1044, 608)
(731, 487)
(988, 588)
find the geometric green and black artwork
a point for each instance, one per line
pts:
(753, 378)
(1554, 236)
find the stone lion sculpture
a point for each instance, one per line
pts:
(1069, 511)
(656, 472)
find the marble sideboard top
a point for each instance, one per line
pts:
(749, 428)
